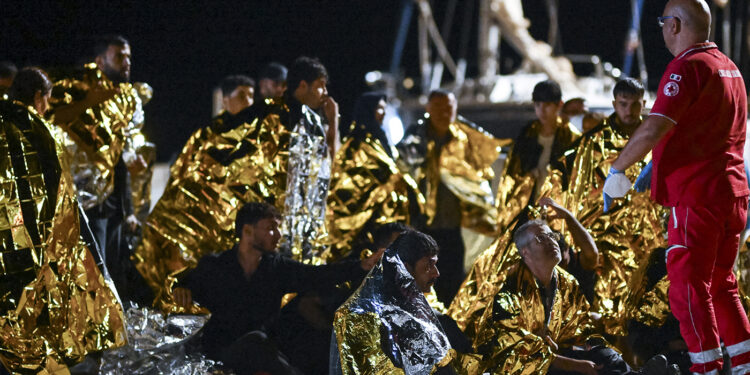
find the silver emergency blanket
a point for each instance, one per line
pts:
(387, 326)
(156, 345)
(308, 177)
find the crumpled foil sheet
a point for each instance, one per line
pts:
(511, 339)
(517, 190)
(367, 190)
(483, 282)
(308, 176)
(56, 305)
(625, 236)
(464, 166)
(235, 160)
(136, 143)
(157, 346)
(95, 141)
(388, 327)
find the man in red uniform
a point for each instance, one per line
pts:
(697, 132)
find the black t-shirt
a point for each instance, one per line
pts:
(239, 305)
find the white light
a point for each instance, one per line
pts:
(394, 128)
(616, 73)
(374, 76)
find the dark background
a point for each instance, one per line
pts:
(183, 49)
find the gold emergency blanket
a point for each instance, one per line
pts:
(236, 160)
(388, 327)
(520, 182)
(367, 190)
(483, 282)
(625, 235)
(513, 326)
(56, 305)
(140, 182)
(464, 166)
(97, 137)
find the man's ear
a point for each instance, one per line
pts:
(99, 60)
(247, 230)
(38, 97)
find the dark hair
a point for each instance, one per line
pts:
(230, 83)
(364, 120)
(382, 236)
(102, 43)
(7, 69)
(547, 91)
(27, 83)
(412, 246)
(306, 69)
(629, 87)
(439, 93)
(253, 212)
(273, 71)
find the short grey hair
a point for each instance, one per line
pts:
(523, 236)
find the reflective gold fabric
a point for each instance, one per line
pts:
(236, 160)
(98, 136)
(464, 166)
(626, 235)
(367, 190)
(140, 183)
(388, 327)
(484, 280)
(56, 305)
(511, 339)
(519, 181)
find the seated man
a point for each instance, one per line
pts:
(305, 324)
(388, 325)
(243, 287)
(540, 314)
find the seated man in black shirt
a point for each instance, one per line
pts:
(243, 287)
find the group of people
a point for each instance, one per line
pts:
(322, 247)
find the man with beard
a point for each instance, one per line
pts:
(271, 82)
(96, 109)
(243, 287)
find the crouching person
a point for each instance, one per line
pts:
(388, 326)
(539, 322)
(243, 288)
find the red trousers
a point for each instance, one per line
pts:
(703, 244)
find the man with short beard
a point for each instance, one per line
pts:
(97, 109)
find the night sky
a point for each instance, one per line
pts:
(184, 50)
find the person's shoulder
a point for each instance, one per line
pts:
(566, 282)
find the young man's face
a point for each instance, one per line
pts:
(41, 102)
(115, 63)
(425, 272)
(271, 89)
(547, 112)
(442, 110)
(265, 234)
(239, 99)
(628, 109)
(314, 93)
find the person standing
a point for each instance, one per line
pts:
(697, 132)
